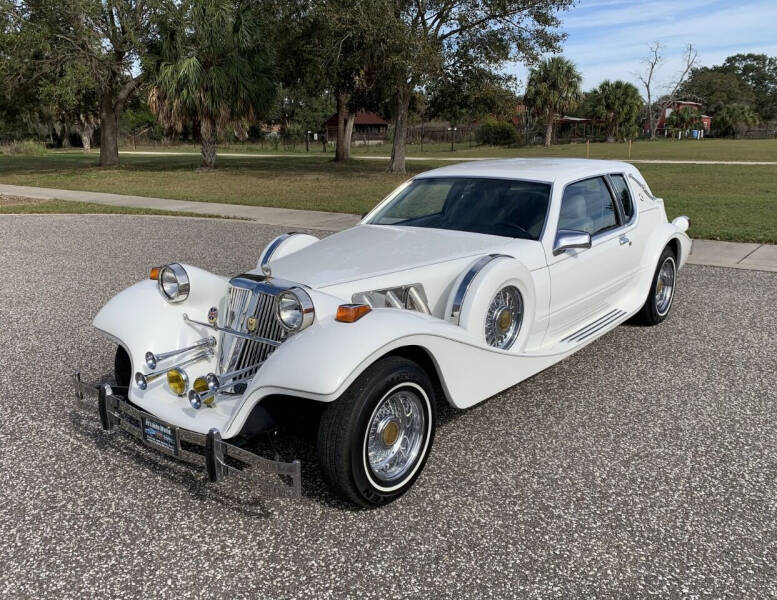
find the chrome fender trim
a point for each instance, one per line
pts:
(264, 261)
(461, 291)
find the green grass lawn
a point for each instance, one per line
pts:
(728, 202)
(662, 149)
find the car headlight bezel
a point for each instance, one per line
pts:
(294, 309)
(173, 283)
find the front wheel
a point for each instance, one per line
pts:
(373, 441)
(659, 300)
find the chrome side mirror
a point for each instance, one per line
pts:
(567, 239)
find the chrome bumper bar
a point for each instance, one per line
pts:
(273, 478)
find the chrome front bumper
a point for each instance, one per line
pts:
(273, 478)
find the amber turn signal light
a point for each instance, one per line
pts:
(349, 313)
(154, 273)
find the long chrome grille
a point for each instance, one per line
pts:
(238, 353)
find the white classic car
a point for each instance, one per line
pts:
(463, 282)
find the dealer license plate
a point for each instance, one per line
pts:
(160, 435)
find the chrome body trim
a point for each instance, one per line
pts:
(461, 291)
(152, 360)
(408, 297)
(264, 261)
(588, 330)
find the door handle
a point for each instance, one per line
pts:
(625, 240)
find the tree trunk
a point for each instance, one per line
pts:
(340, 151)
(348, 135)
(399, 147)
(549, 131)
(86, 138)
(208, 137)
(109, 132)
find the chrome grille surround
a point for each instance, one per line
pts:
(249, 296)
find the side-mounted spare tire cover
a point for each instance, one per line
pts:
(477, 288)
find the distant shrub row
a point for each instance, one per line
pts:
(496, 133)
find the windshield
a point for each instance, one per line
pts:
(505, 207)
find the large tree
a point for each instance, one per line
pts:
(715, 88)
(421, 38)
(211, 65)
(470, 92)
(553, 89)
(733, 120)
(107, 37)
(617, 104)
(760, 73)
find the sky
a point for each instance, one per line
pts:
(609, 39)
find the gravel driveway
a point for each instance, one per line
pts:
(644, 465)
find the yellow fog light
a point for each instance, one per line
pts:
(177, 381)
(200, 386)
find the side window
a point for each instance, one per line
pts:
(587, 206)
(622, 191)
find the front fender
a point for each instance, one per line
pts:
(322, 361)
(139, 319)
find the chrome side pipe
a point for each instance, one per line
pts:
(142, 380)
(152, 360)
(216, 383)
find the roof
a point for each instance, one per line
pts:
(686, 102)
(533, 169)
(362, 118)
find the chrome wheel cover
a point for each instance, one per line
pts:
(665, 286)
(504, 317)
(395, 435)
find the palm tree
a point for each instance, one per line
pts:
(211, 66)
(733, 119)
(553, 88)
(684, 119)
(618, 105)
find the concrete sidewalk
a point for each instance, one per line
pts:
(758, 257)
(287, 217)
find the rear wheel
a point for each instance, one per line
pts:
(659, 300)
(373, 441)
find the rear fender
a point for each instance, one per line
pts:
(659, 238)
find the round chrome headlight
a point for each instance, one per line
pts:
(504, 318)
(294, 309)
(173, 283)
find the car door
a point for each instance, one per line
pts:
(588, 283)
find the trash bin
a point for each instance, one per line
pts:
(695, 134)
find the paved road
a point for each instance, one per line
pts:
(644, 465)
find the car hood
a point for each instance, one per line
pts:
(368, 251)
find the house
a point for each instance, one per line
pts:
(368, 128)
(677, 105)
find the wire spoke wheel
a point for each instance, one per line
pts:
(395, 435)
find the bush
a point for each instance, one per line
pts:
(496, 133)
(27, 147)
